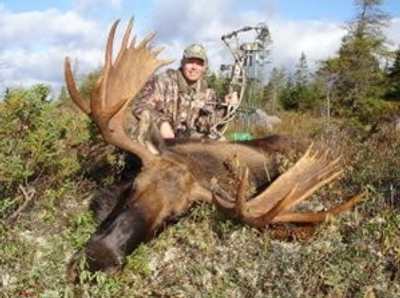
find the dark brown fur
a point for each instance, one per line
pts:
(133, 212)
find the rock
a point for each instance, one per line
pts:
(259, 117)
(396, 124)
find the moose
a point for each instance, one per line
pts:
(240, 178)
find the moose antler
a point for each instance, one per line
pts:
(119, 84)
(273, 205)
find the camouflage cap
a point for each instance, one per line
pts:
(195, 51)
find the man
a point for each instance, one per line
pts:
(179, 101)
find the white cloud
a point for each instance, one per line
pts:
(30, 30)
(34, 44)
(46, 66)
(183, 20)
(318, 40)
(393, 33)
(93, 5)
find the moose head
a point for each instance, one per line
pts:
(172, 176)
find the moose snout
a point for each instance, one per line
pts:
(103, 256)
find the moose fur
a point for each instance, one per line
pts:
(133, 212)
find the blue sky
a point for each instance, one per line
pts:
(292, 9)
(35, 36)
(340, 10)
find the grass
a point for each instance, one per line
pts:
(206, 255)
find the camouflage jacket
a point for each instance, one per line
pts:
(190, 110)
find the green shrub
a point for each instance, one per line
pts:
(38, 140)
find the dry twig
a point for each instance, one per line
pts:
(28, 196)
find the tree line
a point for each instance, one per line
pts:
(361, 81)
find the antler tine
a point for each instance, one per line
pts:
(158, 50)
(102, 99)
(133, 41)
(225, 206)
(236, 208)
(147, 40)
(110, 44)
(309, 174)
(125, 40)
(263, 220)
(155, 52)
(84, 105)
(241, 195)
(296, 217)
(233, 209)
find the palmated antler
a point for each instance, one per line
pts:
(274, 204)
(119, 84)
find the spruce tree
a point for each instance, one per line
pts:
(273, 90)
(358, 77)
(305, 93)
(289, 98)
(393, 79)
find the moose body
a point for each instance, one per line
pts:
(134, 212)
(241, 179)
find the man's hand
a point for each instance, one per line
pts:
(232, 99)
(166, 131)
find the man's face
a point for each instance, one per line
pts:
(193, 69)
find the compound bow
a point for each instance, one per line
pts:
(238, 75)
